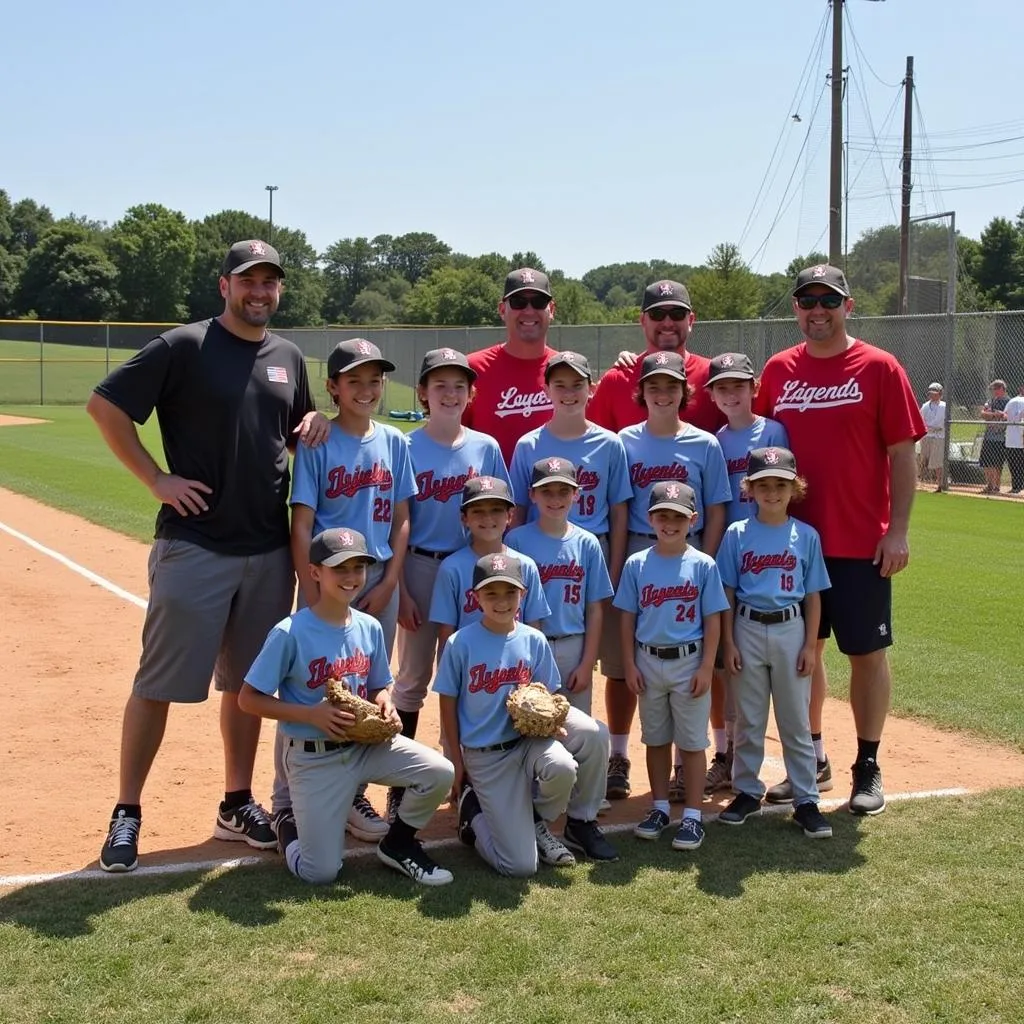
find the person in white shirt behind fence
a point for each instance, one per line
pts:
(929, 456)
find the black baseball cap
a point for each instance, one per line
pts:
(669, 363)
(555, 470)
(765, 462)
(439, 357)
(573, 360)
(731, 366)
(526, 279)
(671, 495)
(243, 255)
(354, 352)
(486, 488)
(822, 273)
(332, 547)
(666, 293)
(502, 567)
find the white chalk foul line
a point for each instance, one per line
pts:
(74, 566)
(354, 853)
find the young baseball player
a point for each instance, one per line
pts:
(774, 572)
(333, 640)
(671, 600)
(360, 479)
(572, 572)
(518, 784)
(733, 385)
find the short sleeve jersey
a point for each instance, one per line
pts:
(670, 595)
(736, 448)
(600, 462)
(572, 573)
(355, 482)
(772, 567)
(302, 653)
(614, 408)
(480, 668)
(996, 428)
(692, 457)
(841, 414)
(1015, 417)
(510, 397)
(227, 408)
(440, 473)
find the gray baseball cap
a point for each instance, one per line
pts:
(439, 357)
(353, 352)
(665, 293)
(822, 273)
(250, 253)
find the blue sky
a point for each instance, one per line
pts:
(591, 132)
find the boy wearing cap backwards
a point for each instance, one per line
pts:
(360, 479)
(330, 639)
(518, 783)
(671, 600)
(572, 572)
(733, 385)
(774, 572)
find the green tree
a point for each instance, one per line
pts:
(28, 222)
(373, 307)
(798, 263)
(350, 265)
(527, 259)
(414, 254)
(10, 274)
(454, 296)
(575, 303)
(5, 218)
(1000, 268)
(725, 288)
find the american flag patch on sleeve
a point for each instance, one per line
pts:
(277, 375)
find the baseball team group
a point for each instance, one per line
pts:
(690, 528)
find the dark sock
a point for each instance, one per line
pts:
(235, 799)
(400, 835)
(410, 720)
(536, 816)
(867, 750)
(130, 810)
(815, 736)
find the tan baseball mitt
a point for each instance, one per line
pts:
(536, 711)
(370, 725)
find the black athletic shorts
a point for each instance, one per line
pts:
(858, 607)
(993, 452)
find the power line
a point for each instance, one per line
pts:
(848, 24)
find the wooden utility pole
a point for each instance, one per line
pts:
(908, 124)
(835, 192)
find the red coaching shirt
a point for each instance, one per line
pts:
(841, 414)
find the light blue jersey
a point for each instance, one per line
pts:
(440, 474)
(303, 652)
(454, 602)
(572, 573)
(670, 595)
(772, 567)
(355, 482)
(736, 447)
(601, 472)
(480, 668)
(692, 456)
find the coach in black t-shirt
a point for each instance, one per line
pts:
(230, 398)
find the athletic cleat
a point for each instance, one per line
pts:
(394, 802)
(121, 850)
(551, 850)
(415, 863)
(812, 821)
(867, 796)
(783, 792)
(618, 787)
(283, 824)
(690, 834)
(719, 774)
(585, 837)
(604, 805)
(469, 808)
(249, 823)
(676, 786)
(364, 822)
(742, 807)
(652, 826)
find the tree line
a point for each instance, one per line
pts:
(156, 265)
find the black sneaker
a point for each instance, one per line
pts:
(867, 796)
(283, 824)
(652, 826)
(469, 808)
(812, 821)
(741, 808)
(585, 837)
(618, 787)
(246, 824)
(121, 850)
(414, 862)
(690, 834)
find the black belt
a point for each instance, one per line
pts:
(670, 653)
(507, 745)
(770, 618)
(646, 536)
(322, 746)
(561, 636)
(438, 555)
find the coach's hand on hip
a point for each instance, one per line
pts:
(892, 553)
(184, 496)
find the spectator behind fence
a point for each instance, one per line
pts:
(993, 448)
(1014, 412)
(929, 458)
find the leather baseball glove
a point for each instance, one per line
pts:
(370, 725)
(536, 711)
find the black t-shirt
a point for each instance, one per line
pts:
(226, 408)
(997, 428)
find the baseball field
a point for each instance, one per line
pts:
(911, 916)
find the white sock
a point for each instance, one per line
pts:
(819, 749)
(721, 741)
(691, 812)
(619, 743)
(662, 805)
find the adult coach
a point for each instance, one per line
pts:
(1014, 413)
(993, 443)
(852, 421)
(510, 397)
(230, 398)
(933, 444)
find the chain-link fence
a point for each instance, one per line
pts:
(59, 363)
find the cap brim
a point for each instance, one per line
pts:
(488, 497)
(346, 556)
(550, 369)
(389, 367)
(469, 372)
(823, 284)
(730, 375)
(256, 263)
(672, 506)
(527, 288)
(556, 480)
(663, 373)
(781, 474)
(666, 304)
(500, 578)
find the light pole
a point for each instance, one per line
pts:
(271, 189)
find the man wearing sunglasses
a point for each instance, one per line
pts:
(510, 398)
(852, 421)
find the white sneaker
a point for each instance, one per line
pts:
(604, 805)
(551, 850)
(364, 822)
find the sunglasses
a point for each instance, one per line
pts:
(521, 301)
(676, 313)
(831, 301)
